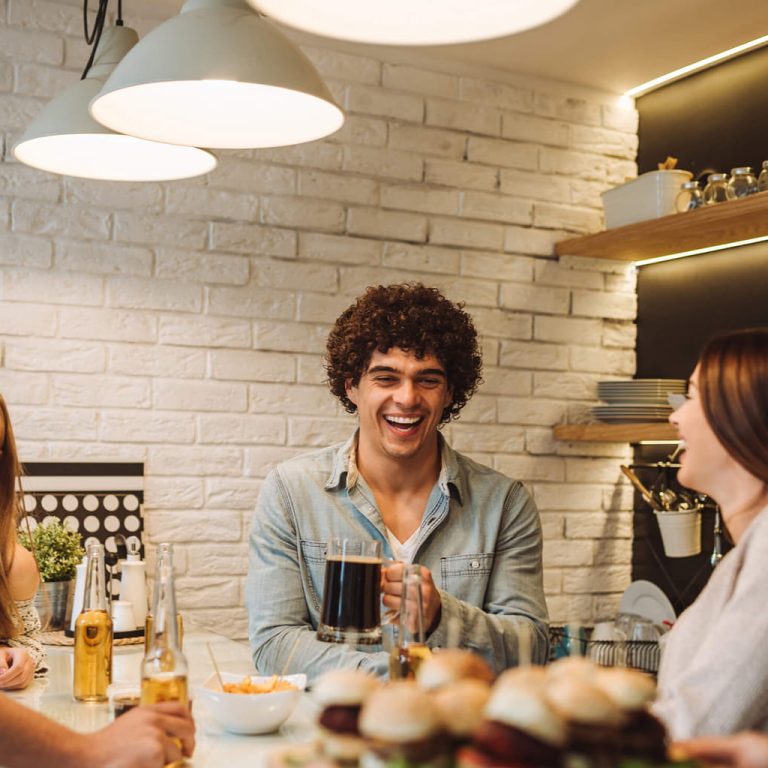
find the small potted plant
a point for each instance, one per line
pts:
(57, 551)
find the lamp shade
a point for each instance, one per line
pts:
(413, 22)
(217, 75)
(65, 139)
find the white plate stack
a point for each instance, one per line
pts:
(639, 400)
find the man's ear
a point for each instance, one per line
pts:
(351, 391)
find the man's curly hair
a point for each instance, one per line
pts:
(414, 318)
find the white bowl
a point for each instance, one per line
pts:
(251, 712)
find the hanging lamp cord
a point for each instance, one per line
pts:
(93, 36)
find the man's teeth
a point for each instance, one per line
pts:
(407, 421)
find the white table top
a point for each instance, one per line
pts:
(215, 747)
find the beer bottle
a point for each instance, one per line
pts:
(163, 550)
(411, 648)
(93, 633)
(164, 668)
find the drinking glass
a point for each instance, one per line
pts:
(351, 609)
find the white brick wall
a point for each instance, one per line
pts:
(183, 324)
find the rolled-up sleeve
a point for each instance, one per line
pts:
(280, 624)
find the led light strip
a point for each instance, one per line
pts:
(640, 90)
(698, 251)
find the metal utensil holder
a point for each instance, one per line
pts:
(637, 654)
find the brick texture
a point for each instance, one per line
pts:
(183, 323)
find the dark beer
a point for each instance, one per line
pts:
(125, 702)
(351, 600)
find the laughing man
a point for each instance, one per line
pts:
(405, 359)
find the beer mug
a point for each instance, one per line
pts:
(351, 610)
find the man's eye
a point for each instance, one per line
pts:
(430, 382)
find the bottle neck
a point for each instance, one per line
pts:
(165, 633)
(95, 596)
(411, 608)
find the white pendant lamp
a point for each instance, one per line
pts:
(65, 139)
(217, 75)
(413, 22)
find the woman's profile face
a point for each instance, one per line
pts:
(703, 462)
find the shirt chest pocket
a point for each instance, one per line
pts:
(466, 576)
(313, 565)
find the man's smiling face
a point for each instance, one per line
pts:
(400, 400)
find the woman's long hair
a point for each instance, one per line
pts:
(733, 386)
(10, 471)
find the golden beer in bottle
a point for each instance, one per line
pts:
(411, 649)
(164, 668)
(93, 634)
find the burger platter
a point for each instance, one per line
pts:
(572, 713)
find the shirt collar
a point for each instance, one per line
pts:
(344, 469)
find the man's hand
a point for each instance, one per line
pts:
(145, 737)
(392, 588)
(16, 669)
(743, 750)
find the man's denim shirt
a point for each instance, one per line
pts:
(480, 536)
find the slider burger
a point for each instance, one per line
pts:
(341, 694)
(403, 728)
(461, 707)
(520, 730)
(642, 735)
(592, 717)
(449, 665)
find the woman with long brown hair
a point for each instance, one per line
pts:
(21, 653)
(714, 670)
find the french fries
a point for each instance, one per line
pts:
(247, 686)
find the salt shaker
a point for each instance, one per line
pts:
(741, 183)
(716, 189)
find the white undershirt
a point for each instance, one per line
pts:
(403, 551)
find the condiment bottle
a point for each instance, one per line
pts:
(741, 183)
(93, 633)
(164, 668)
(133, 583)
(410, 649)
(716, 189)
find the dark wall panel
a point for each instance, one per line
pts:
(684, 302)
(716, 119)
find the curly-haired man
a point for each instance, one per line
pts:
(405, 359)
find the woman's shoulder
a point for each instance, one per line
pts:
(24, 576)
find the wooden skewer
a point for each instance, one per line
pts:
(215, 665)
(276, 678)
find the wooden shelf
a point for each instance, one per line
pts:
(727, 222)
(615, 433)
